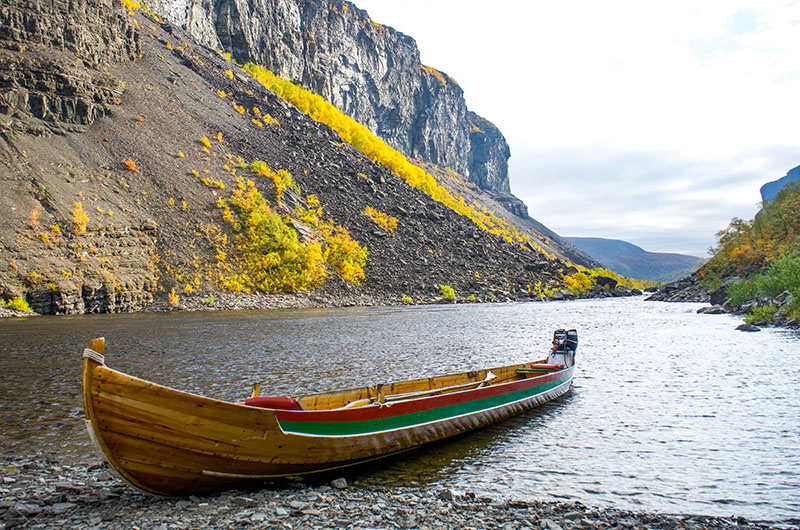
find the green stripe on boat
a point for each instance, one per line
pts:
(347, 428)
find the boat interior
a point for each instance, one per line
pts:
(406, 390)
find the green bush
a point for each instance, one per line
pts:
(447, 293)
(761, 313)
(782, 275)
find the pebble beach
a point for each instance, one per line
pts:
(44, 493)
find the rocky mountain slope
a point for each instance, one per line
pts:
(121, 141)
(369, 71)
(632, 261)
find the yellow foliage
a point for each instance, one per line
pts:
(174, 299)
(282, 178)
(269, 120)
(376, 149)
(381, 219)
(35, 213)
(271, 257)
(79, 219)
(578, 283)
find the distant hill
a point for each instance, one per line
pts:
(635, 262)
(771, 189)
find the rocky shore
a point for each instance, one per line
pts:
(307, 300)
(41, 493)
(690, 289)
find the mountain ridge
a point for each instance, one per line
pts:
(369, 71)
(633, 261)
(133, 205)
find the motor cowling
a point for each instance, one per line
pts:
(565, 343)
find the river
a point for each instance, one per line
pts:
(671, 411)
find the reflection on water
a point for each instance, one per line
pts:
(671, 411)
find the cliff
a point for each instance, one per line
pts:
(124, 147)
(371, 72)
(771, 189)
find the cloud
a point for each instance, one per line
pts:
(653, 122)
(657, 200)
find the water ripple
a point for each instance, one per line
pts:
(671, 411)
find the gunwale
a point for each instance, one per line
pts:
(169, 442)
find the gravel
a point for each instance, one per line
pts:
(41, 493)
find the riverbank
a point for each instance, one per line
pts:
(318, 300)
(42, 493)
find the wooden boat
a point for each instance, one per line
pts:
(173, 443)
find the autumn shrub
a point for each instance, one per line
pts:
(281, 178)
(345, 254)
(174, 299)
(79, 219)
(17, 304)
(578, 283)
(447, 293)
(388, 224)
(271, 256)
(130, 165)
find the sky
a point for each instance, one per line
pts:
(651, 122)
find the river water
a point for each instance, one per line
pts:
(671, 411)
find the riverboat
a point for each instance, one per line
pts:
(173, 443)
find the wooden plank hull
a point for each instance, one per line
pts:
(172, 443)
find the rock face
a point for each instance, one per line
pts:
(59, 84)
(771, 189)
(123, 213)
(370, 71)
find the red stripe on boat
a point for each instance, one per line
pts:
(396, 408)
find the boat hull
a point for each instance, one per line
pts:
(173, 443)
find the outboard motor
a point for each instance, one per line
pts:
(565, 342)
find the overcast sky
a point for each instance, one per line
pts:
(652, 122)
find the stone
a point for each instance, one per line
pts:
(712, 310)
(549, 524)
(747, 327)
(606, 282)
(298, 505)
(244, 501)
(339, 483)
(63, 507)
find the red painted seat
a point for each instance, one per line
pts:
(273, 402)
(546, 366)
